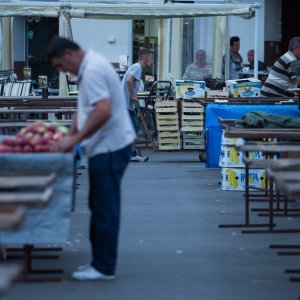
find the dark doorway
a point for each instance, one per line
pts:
(39, 33)
(290, 22)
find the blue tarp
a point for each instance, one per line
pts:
(227, 111)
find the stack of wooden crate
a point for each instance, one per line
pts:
(167, 122)
(192, 125)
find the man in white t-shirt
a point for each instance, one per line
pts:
(103, 127)
(130, 85)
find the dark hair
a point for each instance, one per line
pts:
(294, 43)
(144, 51)
(234, 39)
(59, 45)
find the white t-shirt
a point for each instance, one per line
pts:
(136, 71)
(97, 80)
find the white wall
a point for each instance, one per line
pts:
(19, 38)
(97, 34)
(244, 28)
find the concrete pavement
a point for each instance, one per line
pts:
(170, 243)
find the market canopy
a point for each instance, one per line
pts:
(122, 10)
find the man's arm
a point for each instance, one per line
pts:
(130, 85)
(101, 113)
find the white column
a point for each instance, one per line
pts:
(7, 43)
(256, 43)
(218, 47)
(176, 49)
(63, 87)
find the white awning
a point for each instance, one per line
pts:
(118, 10)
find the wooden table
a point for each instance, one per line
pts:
(259, 134)
(18, 191)
(38, 102)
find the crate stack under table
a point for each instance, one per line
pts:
(167, 121)
(192, 125)
(233, 168)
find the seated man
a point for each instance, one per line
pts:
(283, 75)
(261, 66)
(199, 70)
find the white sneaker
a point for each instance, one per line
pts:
(139, 158)
(83, 267)
(91, 273)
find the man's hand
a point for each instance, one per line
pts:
(65, 144)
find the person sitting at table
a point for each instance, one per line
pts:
(283, 74)
(198, 70)
(261, 66)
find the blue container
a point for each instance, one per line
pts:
(226, 111)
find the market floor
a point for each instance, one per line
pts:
(170, 243)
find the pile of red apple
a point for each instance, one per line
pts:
(38, 137)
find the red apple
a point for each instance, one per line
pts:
(29, 135)
(18, 149)
(8, 142)
(48, 135)
(52, 128)
(27, 149)
(43, 141)
(35, 139)
(4, 149)
(57, 136)
(41, 148)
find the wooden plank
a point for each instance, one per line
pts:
(37, 110)
(167, 128)
(168, 140)
(16, 181)
(16, 123)
(11, 216)
(191, 123)
(194, 140)
(193, 147)
(191, 104)
(269, 148)
(192, 129)
(168, 109)
(192, 117)
(167, 122)
(192, 109)
(34, 198)
(169, 116)
(175, 147)
(166, 104)
(168, 134)
(194, 135)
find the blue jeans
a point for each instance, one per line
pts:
(105, 175)
(132, 114)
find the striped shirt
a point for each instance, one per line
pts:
(281, 78)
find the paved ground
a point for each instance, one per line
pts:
(170, 244)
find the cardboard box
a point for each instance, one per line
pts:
(230, 157)
(248, 87)
(189, 89)
(231, 141)
(217, 93)
(233, 179)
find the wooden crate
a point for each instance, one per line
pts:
(192, 146)
(192, 117)
(167, 121)
(193, 140)
(169, 146)
(166, 107)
